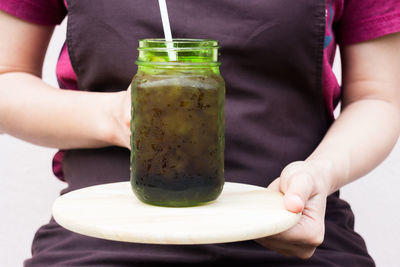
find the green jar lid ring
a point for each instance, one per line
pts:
(165, 49)
(178, 63)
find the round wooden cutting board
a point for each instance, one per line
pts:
(112, 211)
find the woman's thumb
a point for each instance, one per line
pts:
(297, 187)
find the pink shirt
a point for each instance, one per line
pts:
(347, 22)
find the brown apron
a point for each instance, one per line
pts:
(272, 53)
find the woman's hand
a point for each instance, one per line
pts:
(304, 189)
(121, 119)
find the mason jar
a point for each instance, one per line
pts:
(178, 123)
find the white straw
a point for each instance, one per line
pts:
(167, 30)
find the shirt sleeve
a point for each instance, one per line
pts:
(44, 12)
(364, 20)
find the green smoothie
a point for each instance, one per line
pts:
(177, 134)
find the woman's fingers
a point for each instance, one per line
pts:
(121, 118)
(310, 229)
(302, 239)
(301, 194)
(128, 108)
(287, 249)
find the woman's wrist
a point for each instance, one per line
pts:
(329, 172)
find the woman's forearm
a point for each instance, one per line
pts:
(369, 125)
(38, 113)
(361, 138)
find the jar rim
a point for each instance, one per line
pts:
(159, 44)
(178, 64)
(188, 52)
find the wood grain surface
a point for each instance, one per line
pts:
(112, 211)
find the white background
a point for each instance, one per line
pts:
(28, 189)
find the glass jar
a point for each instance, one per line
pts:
(178, 123)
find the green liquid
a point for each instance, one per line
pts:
(177, 138)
